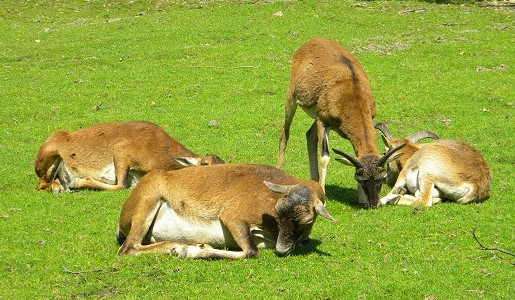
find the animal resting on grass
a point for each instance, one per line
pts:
(329, 84)
(393, 168)
(440, 170)
(110, 156)
(192, 213)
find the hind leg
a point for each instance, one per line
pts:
(289, 113)
(323, 142)
(470, 197)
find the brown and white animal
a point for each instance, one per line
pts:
(193, 211)
(329, 84)
(109, 156)
(441, 170)
(393, 168)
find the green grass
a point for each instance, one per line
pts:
(180, 65)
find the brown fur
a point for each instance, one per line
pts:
(456, 169)
(328, 82)
(140, 146)
(395, 167)
(233, 195)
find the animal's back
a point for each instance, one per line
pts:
(227, 182)
(321, 65)
(93, 148)
(210, 190)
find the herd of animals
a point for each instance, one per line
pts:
(223, 210)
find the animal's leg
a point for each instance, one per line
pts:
(401, 185)
(240, 232)
(207, 252)
(47, 166)
(470, 196)
(423, 196)
(56, 187)
(425, 190)
(93, 184)
(406, 200)
(323, 141)
(121, 170)
(139, 225)
(437, 200)
(290, 108)
(199, 251)
(397, 194)
(390, 199)
(312, 145)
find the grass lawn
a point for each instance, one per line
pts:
(182, 64)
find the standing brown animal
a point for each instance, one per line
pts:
(329, 84)
(187, 212)
(109, 156)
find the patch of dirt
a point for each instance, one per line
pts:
(494, 69)
(509, 4)
(383, 48)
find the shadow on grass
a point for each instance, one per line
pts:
(309, 248)
(343, 195)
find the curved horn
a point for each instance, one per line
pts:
(420, 135)
(351, 159)
(384, 130)
(383, 159)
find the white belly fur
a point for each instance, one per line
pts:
(107, 175)
(171, 227)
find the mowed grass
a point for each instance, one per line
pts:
(446, 68)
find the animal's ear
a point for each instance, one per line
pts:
(188, 161)
(394, 157)
(321, 210)
(283, 205)
(282, 189)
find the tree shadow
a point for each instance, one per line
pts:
(346, 196)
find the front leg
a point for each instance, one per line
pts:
(93, 184)
(241, 234)
(390, 199)
(312, 145)
(323, 142)
(398, 191)
(425, 192)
